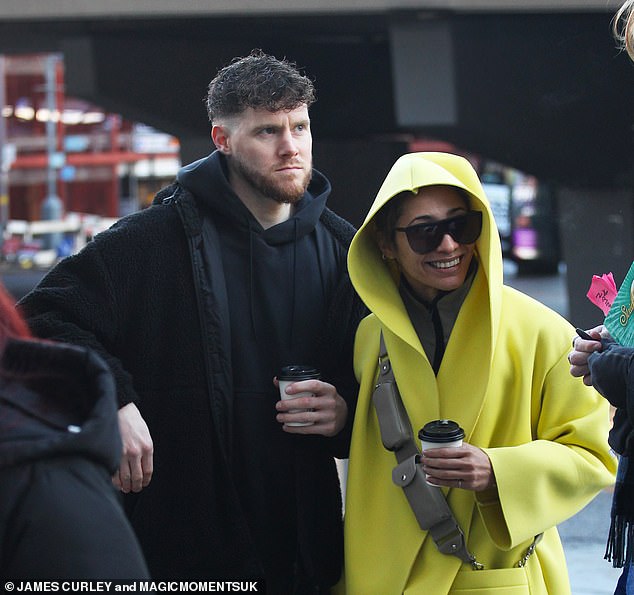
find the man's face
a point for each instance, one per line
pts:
(270, 153)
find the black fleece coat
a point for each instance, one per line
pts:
(149, 295)
(59, 445)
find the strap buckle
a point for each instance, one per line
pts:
(452, 542)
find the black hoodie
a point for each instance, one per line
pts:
(279, 283)
(59, 445)
(273, 276)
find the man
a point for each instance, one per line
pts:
(236, 270)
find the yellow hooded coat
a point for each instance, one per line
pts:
(505, 379)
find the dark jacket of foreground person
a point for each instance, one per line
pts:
(60, 516)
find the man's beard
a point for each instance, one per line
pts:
(281, 192)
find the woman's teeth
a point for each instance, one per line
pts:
(446, 264)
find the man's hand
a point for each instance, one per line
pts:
(326, 409)
(137, 458)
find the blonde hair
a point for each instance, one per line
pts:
(623, 27)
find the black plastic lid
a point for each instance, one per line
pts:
(298, 372)
(441, 430)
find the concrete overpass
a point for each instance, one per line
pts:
(537, 85)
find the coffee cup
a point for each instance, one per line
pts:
(294, 373)
(441, 433)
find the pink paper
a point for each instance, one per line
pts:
(602, 291)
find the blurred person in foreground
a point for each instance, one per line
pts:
(463, 346)
(608, 367)
(237, 269)
(59, 445)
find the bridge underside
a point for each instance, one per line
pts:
(547, 93)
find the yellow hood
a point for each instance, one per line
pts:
(374, 278)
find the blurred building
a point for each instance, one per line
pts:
(98, 162)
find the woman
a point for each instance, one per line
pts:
(607, 366)
(427, 262)
(59, 445)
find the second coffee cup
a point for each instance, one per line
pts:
(441, 433)
(294, 373)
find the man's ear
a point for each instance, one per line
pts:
(220, 137)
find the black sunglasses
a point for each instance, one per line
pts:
(425, 237)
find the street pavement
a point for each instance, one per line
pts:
(585, 534)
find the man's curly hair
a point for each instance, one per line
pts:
(258, 81)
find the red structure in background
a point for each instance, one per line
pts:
(94, 152)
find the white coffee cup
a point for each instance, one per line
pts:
(291, 374)
(441, 433)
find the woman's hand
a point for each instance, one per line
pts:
(466, 467)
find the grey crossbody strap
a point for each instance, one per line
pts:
(427, 502)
